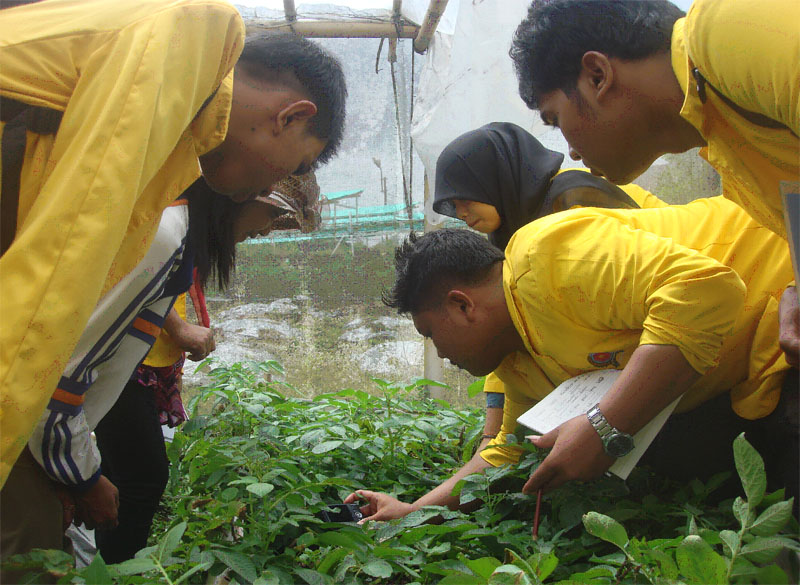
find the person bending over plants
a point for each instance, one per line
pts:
(629, 80)
(678, 298)
(58, 478)
(129, 437)
(498, 178)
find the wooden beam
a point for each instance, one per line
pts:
(339, 29)
(429, 24)
(289, 10)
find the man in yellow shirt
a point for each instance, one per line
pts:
(682, 299)
(109, 112)
(629, 81)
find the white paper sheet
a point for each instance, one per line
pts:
(576, 396)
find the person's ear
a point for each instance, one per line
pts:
(461, 306)
(295, 113)
(597, 74)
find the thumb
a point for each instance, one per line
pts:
(545, 441)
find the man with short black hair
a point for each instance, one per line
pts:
(671, 296)
(629, 80)
(110, 111)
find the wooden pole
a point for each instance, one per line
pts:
(433, 365)
(289, 10)
(429, 24)
(333, 29)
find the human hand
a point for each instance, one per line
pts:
(195, 340)
(379, 507)
(789, 316)
(98, 506)
(576, 454)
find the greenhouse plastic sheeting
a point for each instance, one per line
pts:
(468, 80)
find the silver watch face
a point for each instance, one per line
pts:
(619, 444)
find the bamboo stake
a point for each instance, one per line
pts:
(289, 10)
(339, 29)
(429, 24)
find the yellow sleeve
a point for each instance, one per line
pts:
(518, 388)
(643, 198)
(132, 94)
(588, 272)
(164, 351)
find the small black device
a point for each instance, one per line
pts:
(341, 513)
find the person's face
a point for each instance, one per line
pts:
(609, 136)
(254, 220)
(479, 216)
(267, 140)
(467, 343)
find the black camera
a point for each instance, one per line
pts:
(341, 513)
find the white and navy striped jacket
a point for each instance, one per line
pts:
(120, 332)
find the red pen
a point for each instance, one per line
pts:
(535, 531)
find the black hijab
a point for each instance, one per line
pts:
(505, 166)
(500, 164)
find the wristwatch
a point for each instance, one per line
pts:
(615, 442)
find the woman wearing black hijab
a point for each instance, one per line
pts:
(499, 178)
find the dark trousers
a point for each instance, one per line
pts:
(699, 443)
(134, 458)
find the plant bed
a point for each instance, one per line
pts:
(253, 470)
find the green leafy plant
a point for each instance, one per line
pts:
(253, 468)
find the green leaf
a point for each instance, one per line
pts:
(699, 563)
(260, 489)
(483, 566)
(170, 542)
(762, 550)
(313, 577)
(136, 566)
(237, 562)
(605, 528)
(750, 466)
(377, 568)
(331, 559)
(97, 572)
(771, 520)
(543, 564)
(741, 511)
(462, 580)
(326, 446)
(509, 575)
(196, 569)
(731, 540)
(773, 575)
(476, 387)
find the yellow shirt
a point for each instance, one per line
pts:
(644, 199)
(750, 51)
(586, 287)
(164, 351)
(130, 77)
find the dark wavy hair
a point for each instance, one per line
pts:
(211, 236)
(427, 265)
(549, 44)
(319, 72)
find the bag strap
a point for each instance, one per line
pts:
(752, 117)
(19, 118)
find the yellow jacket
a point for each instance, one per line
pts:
(165, 351)
(750, 51)
(130, 78)
(586, 287)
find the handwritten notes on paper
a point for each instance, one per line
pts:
(575, 397)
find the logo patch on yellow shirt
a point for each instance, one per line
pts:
(605, 358)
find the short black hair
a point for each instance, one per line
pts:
(425, 265)
(319, 72)
(549, 44)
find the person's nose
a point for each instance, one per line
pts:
(573, 154)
